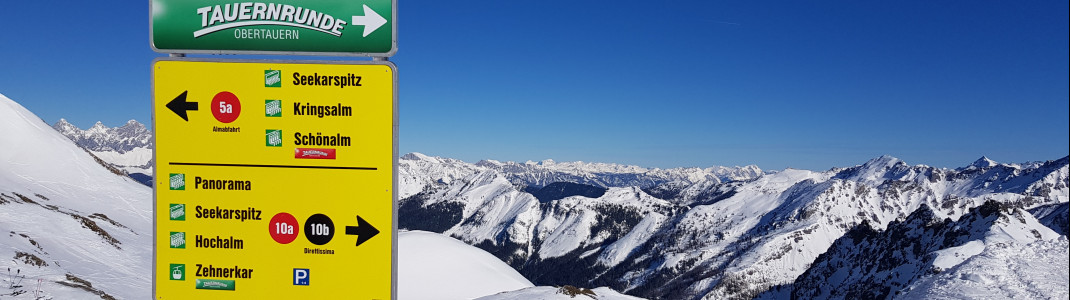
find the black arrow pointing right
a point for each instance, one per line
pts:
(180, 106)
(363, 231)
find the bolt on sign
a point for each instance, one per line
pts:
(280, 179)
(322, 27)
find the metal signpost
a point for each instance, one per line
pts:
(274, 179)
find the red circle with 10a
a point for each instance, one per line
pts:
(283, 228)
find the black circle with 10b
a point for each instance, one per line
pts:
(319, 229)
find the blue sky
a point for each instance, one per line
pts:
(781, 84)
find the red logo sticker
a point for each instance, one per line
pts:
(314, 153)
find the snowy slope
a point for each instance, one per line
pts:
(138, 160)
(878, 264)
(1037, 270)
(434, 266)
(70, 228)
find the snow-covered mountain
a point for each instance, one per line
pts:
(700, 236)
(128, 147)
(70, 228)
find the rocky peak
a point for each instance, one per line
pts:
(66, 128)
(983, 162)
(98, 128)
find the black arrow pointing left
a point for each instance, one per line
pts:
(180, 106)
(363, 231)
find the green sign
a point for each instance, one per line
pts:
(178, 181)
(215, 284)
(178, 272)
(178, 212)
(178, 240)
(323, 27)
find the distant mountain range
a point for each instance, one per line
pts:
(99, 138)
(128, 147)
(881, 229)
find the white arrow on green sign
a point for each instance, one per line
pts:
(324, 27)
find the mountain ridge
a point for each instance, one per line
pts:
(708, 238)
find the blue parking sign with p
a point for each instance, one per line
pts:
(301, 276)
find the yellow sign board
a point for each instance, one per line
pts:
(274, 180)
